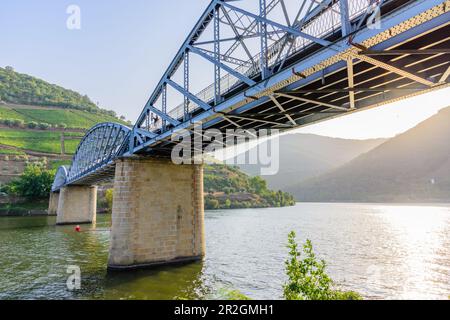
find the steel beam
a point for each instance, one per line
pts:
(405, 52)
(346, 27)
(264, 63)
(445, 76)
(396, 70)
(351, 82)
(290, 30)
(164, 116)
(320, 103)
(188, 95)
(256, 119)
(274, 100)
(217, 57)
(231, 71)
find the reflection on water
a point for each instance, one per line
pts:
(382, 251)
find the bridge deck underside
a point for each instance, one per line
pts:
(104, 174)
(369, 78)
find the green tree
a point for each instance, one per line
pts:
(308, 279)
(109, 198)
(258, 184)
(211, 204)
(32, 125)
(34, 183)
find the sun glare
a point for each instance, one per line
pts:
(385, 121)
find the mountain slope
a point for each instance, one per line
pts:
(39, 118)
(20, 88)
(412, 167)
(303, 156)
(228, 187)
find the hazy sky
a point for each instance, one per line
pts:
(124, 47)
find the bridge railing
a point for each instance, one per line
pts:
(327, 22)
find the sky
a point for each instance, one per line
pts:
(123, 48)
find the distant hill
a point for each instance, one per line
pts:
(303, 156)
(20, 88)
(227, 187)
(412, 167)
(38, 118)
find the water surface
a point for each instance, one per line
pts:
(381, 251)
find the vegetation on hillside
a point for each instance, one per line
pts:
(34, 183)
(23, 89)
(227, 187)
(307, 277)
(35, 118)
(45, 141)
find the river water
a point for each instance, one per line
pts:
(381, 251)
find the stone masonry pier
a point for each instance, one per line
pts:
(157, 215)
(77, 205)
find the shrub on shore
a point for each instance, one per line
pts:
(34, 183)
(307, 276)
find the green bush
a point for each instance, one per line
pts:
(34, 183)
(32, 125)
(44, 126)
(308, 279)
(18, 123)
(211, 204)
(109, 199)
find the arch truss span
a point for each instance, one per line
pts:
(97, 150)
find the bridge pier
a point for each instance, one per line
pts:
(53, 203)
(77, 205)
(157, 215)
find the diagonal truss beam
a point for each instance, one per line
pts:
(226, 58)
(257, 120)
(445, 76)
(189, 95)
(287, 29)
(231, 71)
(396, 70)
(274, 100)
(238, 36)
(320, 103)
(163, 115)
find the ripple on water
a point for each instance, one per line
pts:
(382, 251)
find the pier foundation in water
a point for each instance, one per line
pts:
(157, 215)
(77, 205)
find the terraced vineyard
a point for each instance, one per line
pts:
(39, 141)
(75, 119)
(24, 139)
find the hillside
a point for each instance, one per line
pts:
(412, 167)
(42, 119)
(55, 117)
(41, 122)
(303, 156)
(20, 88)
(228, 187)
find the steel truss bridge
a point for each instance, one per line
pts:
(279, 64)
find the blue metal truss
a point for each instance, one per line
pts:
(99, 148)
(245, 75)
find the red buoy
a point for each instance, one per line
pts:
(77, 229)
